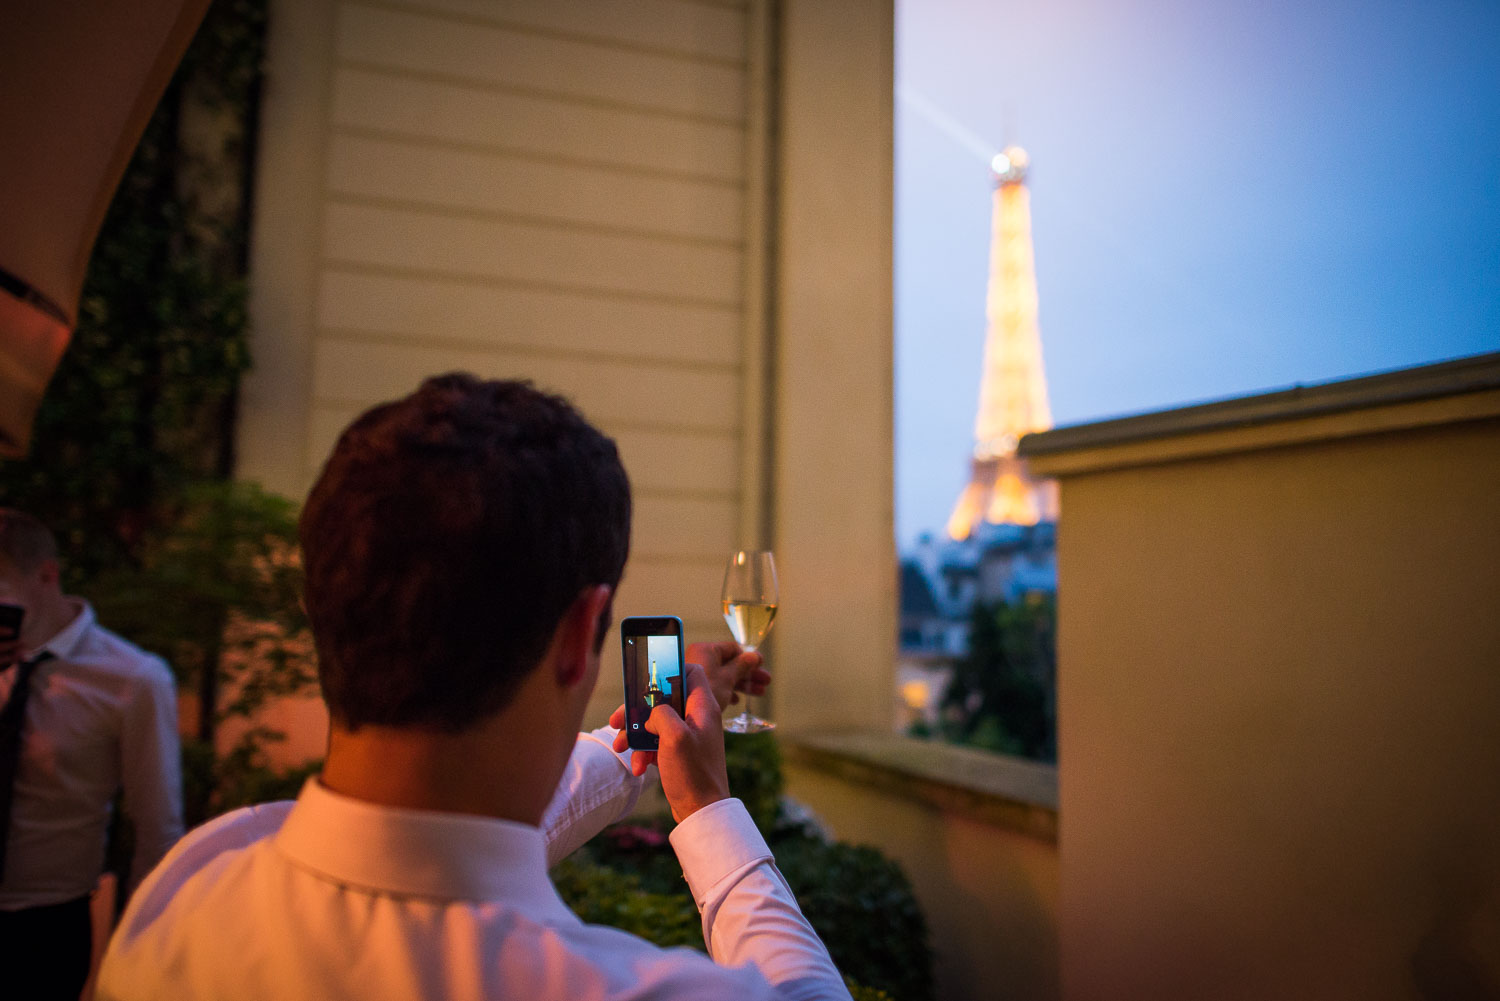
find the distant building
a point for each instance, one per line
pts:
(928, 641)
(941, 582)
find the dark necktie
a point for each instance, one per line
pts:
(12, 718)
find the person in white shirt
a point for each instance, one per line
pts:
(85, 716)
(462, 548)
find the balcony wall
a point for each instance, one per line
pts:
(976, 834)
(1279, 669)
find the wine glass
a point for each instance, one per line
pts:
(749, 609)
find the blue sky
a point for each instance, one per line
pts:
(1226, 198)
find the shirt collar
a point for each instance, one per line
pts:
(420, 853)
(66, 639)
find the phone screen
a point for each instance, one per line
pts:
(10, 621)
(653, 657)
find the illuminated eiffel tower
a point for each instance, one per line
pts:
(1012, 389)
(654, 695)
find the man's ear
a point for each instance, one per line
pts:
(577, 631)
(49, 573)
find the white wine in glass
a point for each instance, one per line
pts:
(749, 598)
(749, 621)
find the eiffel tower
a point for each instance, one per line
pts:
(1012, 388)
(654, 695)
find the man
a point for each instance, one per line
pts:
(86, 715)
(462, 549)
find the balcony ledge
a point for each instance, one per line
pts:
(1010, 793)
(1466, 389)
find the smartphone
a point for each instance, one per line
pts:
(652, 650)
(10, 625)
(10, 621)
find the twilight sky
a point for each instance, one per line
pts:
(1227, 197)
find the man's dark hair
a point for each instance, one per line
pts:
(448, 534)
(25, 543)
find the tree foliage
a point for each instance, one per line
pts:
(1002, 696)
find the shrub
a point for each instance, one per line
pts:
(601, 894)
(863, 907)
(1002, 696)
(755, 778)
(607, 896)
(861, 993)
(650, 861)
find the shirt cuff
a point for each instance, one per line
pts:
(716, 843)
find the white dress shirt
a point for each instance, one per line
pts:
(333, 897)
(101, 718)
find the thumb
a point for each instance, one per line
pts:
(665, 723)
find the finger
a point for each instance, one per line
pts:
(747, 661)
(702, 708)
(721, 652)
(622, 742)
(726, 649)
(640, 761)
(617, 718)
(752, 673)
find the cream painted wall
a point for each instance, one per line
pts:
(990, 896)
(833, 514)
(1279, 684)
(563, 190)
(687, 204)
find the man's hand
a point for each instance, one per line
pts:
(691, 755)
(730, 669)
